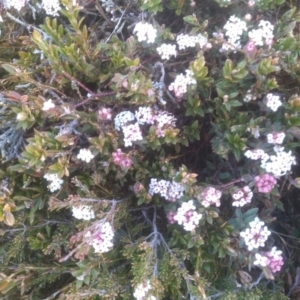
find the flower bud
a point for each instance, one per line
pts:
(22, 116)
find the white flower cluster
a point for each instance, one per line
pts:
(141, 291)
(257, 154)
(166, 51)
(187, 216)
(234, 29)
(273, 101)
(102, 238)
(16, 4)
(55, 182)
(275, 137)
(186, 41)
(211, 196)
(144, 115)
(279, 164)
(263, 34)
(179, 86)
(249, 97)
(51, 7)
(132, 133)
(256, 235)
(145, 32)
(83, 212)
(242, 197)
(48, 105)
(163, 119)
(122, 119)
(85, 155)
(171, 191)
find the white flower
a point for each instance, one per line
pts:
(187, 216)
(101, 239)
(186, 41)
(132, 133)
(55, 182)
(123, 118)
(47, 105)
(83, 212)
(51, 7)
(179, 86)
(144, 115)
(234, 28)
(171, 191)
(85, 155)
(276, 137)
(279, 164)
(256, 235)
(145, 32)
(16, 4)
(273, 101)
(166, 51)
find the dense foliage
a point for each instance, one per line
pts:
(149, 149)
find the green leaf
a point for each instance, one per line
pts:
(191, 19)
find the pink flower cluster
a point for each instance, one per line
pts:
(256, 235)
(273, 259)
(104, 114)
(265, 183)
(171, 216)
(121, 159)
(211, 196)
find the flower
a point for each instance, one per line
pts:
(123, 119)
(256, 235)
(242, 196)
(83, 212)
(85, 155)
(186, 41)
(211, 196)
(187, 216)
(260, 260)
(234, 28)
(171, 191)
(141, 290)
(132, 133)
(166, 51)
(55, 182)
(145, 32)
(265, 183)
(121, 159)
(272, 101)
(48, 105)
(179, 86)
(272, 259)
(104, 114)
(16, 4)
(51, 7)
(279, 164)
(276, 137)
(101, 238)
(144, 115)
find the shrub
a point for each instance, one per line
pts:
(149, 149)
